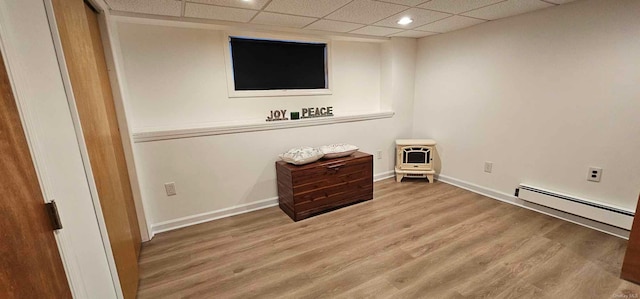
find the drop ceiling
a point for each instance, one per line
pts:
(364, 17)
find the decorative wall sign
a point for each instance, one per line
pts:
(277, 115)
(317, 112)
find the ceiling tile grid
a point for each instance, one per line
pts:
(311, 8)
(364, 17)
(450, 24)
(253, 4)
(559, 1)
(365, 11)
(334, 26)
(154, 7)
(376, 31)
(457, 6)
(507, 9)
(404, 2)
(413, 33)
(419, 17)
(202, 11)
(269, 18)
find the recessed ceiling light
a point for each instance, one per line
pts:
(405, 21)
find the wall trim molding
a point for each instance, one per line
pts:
(231, 211)
(384, 175)
(213, 215)
(511, 199)
(167, 133)
(488, 192)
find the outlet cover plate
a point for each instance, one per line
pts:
(594, 174)
(488, 167)
(170, 188)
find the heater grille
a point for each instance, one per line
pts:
(417, 175)
(585, 208)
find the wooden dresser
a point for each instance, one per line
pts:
(311, 189)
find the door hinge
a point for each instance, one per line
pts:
(52, 210)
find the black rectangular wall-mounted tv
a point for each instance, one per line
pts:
(264, 64)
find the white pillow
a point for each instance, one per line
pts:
(302, 155)
(338, 150)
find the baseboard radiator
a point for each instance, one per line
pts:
(584, 208)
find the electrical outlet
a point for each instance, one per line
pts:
(488, 166)
(170, 188)
(594, 174)
(379, 154)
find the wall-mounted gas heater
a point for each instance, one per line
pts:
(615, 216)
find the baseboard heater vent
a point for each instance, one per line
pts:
(584, 208)
(415, 175)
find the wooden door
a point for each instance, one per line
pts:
(84, 54)
(631, 265)
(30, 264)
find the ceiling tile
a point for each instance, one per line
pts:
(507, 9)
(155, 7)
(311, 8)
(414, 33)
(335, 26)
(375, 30)
(405, 2)
(218, 12)
(365, 11)
(457, 6)
(450, 24)
(560, 1)
(253, 4)
(269, 18)
(419, 16)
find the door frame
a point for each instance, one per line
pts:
(57, 147)
(110, 41)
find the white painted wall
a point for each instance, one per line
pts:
(29, 53)
(175, 78)
(543, 96)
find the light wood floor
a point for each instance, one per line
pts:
(413, 240)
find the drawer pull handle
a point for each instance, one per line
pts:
(335, 166)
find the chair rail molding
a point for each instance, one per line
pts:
(167, 133)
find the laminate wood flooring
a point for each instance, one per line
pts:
(413, 240)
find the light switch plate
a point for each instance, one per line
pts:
(488, 167)
(170, 188)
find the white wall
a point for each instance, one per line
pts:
(543, 96)
(175, 78)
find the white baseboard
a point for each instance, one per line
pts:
(231, 211)
(213, 215)
(511, 199)
(498, 195)
(383, 175)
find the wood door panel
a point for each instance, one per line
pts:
(631, 265)
(84, 55)
(113, 125)
(30, 263)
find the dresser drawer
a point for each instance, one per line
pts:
(304, 191)
(329, 175)
(333, 194)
